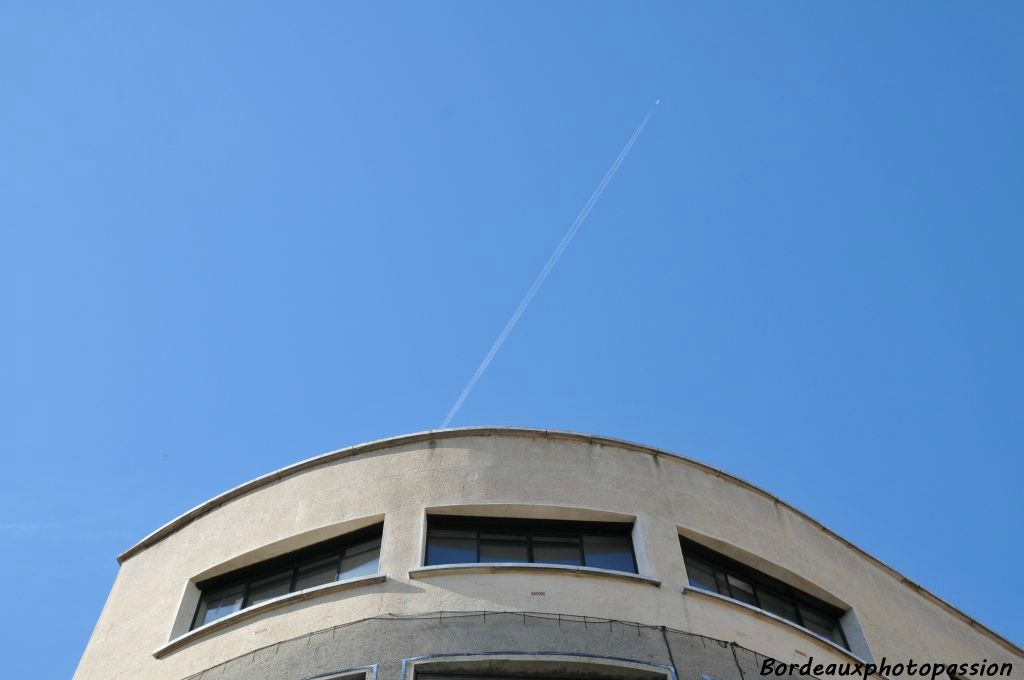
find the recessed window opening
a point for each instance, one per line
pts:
(569, 675)
(461, 540)
(538, 667)
(712, 571)
(355, 554)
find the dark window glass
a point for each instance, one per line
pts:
(317, 573)
(777, 603)
(741, 590)
(268, 588)
(503, 548)
(722, 584)
(819, 622)
(609, 552)
(460, 540)
(558, 550)
(451, 547)
(711, 571)
(220, 603)
(360, 560)
(700, 573)
(356, 554)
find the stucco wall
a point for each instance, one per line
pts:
(537, 471)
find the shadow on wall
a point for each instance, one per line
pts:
(393, 642)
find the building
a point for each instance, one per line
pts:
(497, 552)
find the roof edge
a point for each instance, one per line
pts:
(205, 507)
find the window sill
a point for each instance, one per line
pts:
(496, 567)
(249, 612)
(774, 617)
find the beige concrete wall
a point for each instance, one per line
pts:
(664, 493)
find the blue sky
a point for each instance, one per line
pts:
(234, 235)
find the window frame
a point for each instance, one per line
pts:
(722, 567)
(530, 528)
(292, 561)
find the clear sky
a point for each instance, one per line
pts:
(238, 234)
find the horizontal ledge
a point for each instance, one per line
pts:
(503, 510)
(495, 567)
(687, 590)
(275, 603)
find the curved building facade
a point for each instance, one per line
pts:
(503, 553)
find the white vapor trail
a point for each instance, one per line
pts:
(548, 266)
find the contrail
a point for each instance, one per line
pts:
(552, 261)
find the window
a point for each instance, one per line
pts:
(568, 673)
(462, 540)
(535, 666)
(709, 570)
(352, 555)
